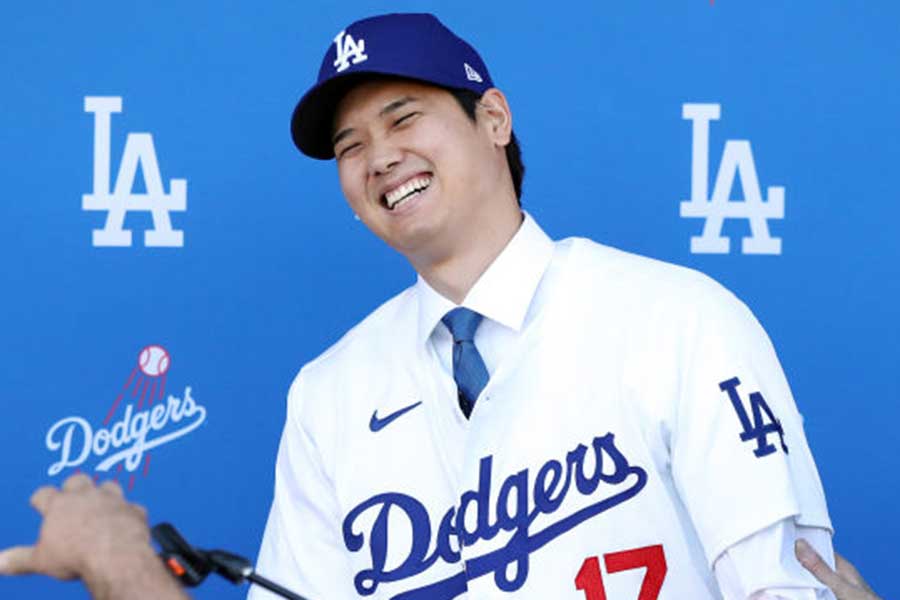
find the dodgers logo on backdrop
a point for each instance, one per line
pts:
(142, 417)
(346, 48)
(737, 159)
(139, 151)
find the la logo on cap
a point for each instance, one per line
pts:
(348, 48)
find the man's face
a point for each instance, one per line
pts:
(415, 169)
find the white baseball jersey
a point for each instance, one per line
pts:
(636, 425)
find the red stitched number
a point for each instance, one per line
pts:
(590, 579)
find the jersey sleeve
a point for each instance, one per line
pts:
(301, 548)
(741, 574)
(740, 458)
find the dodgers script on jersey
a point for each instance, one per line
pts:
(640, 426)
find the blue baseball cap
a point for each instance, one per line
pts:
(412, 46)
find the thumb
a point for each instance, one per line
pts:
(813, 563)
(17, 560)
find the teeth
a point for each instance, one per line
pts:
(406, 190)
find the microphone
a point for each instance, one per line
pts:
(191, 565)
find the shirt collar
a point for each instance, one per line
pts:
(504, 291)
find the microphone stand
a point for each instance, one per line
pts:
(191, 565)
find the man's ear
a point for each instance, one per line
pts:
(496, 116)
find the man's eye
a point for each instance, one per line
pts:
(405, 118)
(344, 152)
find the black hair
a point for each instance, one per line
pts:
(468, 100)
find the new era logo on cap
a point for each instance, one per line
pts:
(472, 74)
(413, 46)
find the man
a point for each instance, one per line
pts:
(532, 418)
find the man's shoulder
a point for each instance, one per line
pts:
(387, 325)
(608, 270)
(650, 303)
(343, 380)
(362, 357)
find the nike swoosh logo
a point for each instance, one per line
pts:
(377, 424)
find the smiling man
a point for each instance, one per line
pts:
(410, 164)
(530, 419)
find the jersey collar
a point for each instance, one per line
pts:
(504, 292)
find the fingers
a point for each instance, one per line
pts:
(17, 561)
(813, 563)
(77, 482)
(846, 570)
(112, 487)
(140, 511)
(42, 497)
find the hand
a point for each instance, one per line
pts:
(846, 582)
(92, 533)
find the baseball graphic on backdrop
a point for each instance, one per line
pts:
(154, 360)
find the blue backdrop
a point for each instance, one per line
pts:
(272, 267)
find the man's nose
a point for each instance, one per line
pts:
(383, 157)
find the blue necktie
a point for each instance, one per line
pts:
(469, 371)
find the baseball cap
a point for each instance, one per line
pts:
(413, 46)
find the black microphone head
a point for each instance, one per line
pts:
(190, 565)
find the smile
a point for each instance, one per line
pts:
(397, 196)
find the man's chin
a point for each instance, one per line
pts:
(420, 244)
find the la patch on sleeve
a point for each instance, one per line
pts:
(759, 424)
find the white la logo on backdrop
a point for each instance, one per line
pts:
(737, 158)
(346, 48)
(139, 151)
